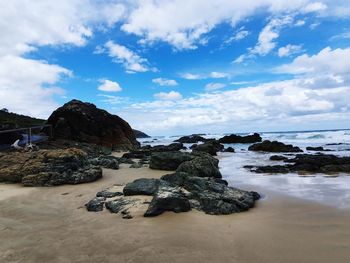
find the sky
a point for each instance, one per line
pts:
(173, 67)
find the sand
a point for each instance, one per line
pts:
(52, 225)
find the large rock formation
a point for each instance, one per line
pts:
(273, 146)
(84, 122)
(140, 134)
(233, 138)
(48, 167)
(194, 138)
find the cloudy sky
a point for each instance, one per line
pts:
(181, 66)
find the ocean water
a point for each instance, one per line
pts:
(333, 191)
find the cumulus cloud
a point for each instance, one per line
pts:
(184, 26)
(172, 95)
(214, 86)
(289, 50)
(109, 86)
(28, 86)
(165, 82)
(213, 75)
(131, 61)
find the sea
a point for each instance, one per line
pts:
(325, 189)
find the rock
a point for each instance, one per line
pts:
(211, 147)
(140, 134)
(273, 169)
(241, 139)
(10, 137)
(177, 178)
(194, 138)
(274, 146)
(167, 148)
(201, 166)
(84, 122)
(48, 167)
(141, 187)
(168, 199)
(136, 155)
(109, 162)
(168, 160)
(278, 158)
(107, 194)
(96, 204)
(317, 149)
(136, 165)
(118, 205)
(229, 150)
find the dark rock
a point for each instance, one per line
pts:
(194, 138)
(167, 148)
(96, 204)
(109, 162)
(140, 134)
(168, 199)
(177, 178)
(107, 194)
(211, 147)
(241, 139)
(141, 187)
(84, 122)
(272, 169)
(136, 165)
(203, 165)
(317, 149)
(168, 160)
(118, 205)
(278, 158)
(229, 150)
(10, 137)
(193, 146)
(136, 155)
(274, 146)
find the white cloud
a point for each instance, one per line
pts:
(240, 59)
(109, 86)
(111, 99)
(275, 105)
(239, 35)
(27, 86)
(289, 50)
(300, 22)
(165, 82)
(266, 42)
(172, 95)
(121, 54)
(213, 75)
(214, 86)
(327, 61)
(184, 25)
(315, 7)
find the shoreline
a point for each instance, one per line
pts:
(278, 229)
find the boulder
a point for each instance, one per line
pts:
(203, 165)
(229, 150)
(109, 162)
(278, 158)
(118, 205)
(141, 187)
(317, 149)
(168, 160)
(108, 194)
(96, 204)
(273, 146)
(194, 138)
(211, 147)
(233, 138)
(84, 122)
(168, 198)
(48, 167)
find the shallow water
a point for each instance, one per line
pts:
(334, 191)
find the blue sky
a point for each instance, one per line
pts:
(176, 67)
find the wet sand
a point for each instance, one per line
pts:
(52, 225)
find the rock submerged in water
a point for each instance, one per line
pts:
(48, 167)
(194, 138)
(309, 163)
(233, 138)
(273, 146)
(84, 122)
(211, 147)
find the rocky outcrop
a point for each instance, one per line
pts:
(141, 187)
(273, 146)
(278, 158)
(96, 204)
(317, 149)
(229, 150)
(211, 147)
(140, 134)
(194, 138)
(308, 163)
(233, 138)
(48, 167)
(84, 122)
(168, 161)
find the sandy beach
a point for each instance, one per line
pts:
(51, 224)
